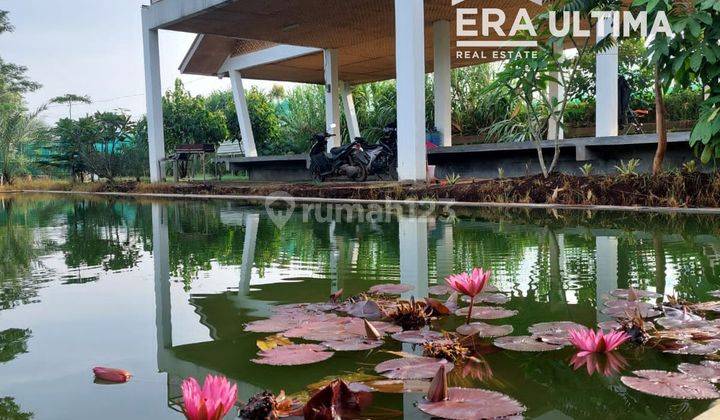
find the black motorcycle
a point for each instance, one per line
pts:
(349, 160)
(383, 154)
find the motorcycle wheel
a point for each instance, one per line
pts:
(362, 175)
(317, 176)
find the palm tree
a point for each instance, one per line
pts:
(70, 99)
(18, 128)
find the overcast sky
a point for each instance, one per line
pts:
(92, 47)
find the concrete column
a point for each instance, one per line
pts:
(153, 99)
(606, 84)
(442, 86)
(414, 254)
(332, 93)
(606, 271)
(410, 70)
(350, 113)
(243, 114)
(444, 251)
(334, 259)
(161, 270)
(556, 92)
(252, 220)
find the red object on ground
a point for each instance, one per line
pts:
(430, 145)
(118, 376)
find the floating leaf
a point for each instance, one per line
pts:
(412, 367)
(486, 312)
(469, 403)
(336, 401)
(492, 298)
(695, 348)
(671, 385)
(609, 325)
(391, 289)
(713, 306)
(707, 369)
(482, 329)
(675, 318)
(397, 386)
(525, 343)
(368, 309)
(357, 344)
(557, 332)
(272, 342)
(439, 290)
(417, 337)
(111, 375)
(292, 355)
(640, 294)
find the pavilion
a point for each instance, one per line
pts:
(339, 44)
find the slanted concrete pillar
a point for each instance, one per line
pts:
(556, 92)
(606, 271)
(410, 69)
(442, 86)
(414, 254)
(350, 113)
(161, 270)
(444, 251)
(153, 99)
(252, 221)
(606, 84)
(332, 93)
(243, 114)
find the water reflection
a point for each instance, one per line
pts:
(234, 265)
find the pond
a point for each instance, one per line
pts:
(164, 289)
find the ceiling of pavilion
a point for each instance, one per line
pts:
(363, 31)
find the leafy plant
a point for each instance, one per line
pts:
(452, 179)
(629, 168)
(501, 173)
(586, 169)
(690, 167)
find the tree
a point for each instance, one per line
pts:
(110, 137)
(19, 129)
(689, 58)
(187, 120)
(65, 150)
(70, 99)
(528, 76)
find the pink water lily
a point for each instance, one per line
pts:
(589, 341)
(211, 402)
(469, 284)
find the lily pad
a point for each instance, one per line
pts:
(492, 298)
(555, 332)
(525, 343)
(707, 369)
(609, 325)
(412, 367)
(671, 385)
(695, 348)
(417, 337)
(439, 290)
(357, 344)
(675, 318)
(482, 329)
(640, 294)
(713, 306)
(293, 355)
(368, 309)
(487, 312)
(391, 289)
(471, 403)
(627, 312)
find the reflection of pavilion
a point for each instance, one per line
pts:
(225, 313)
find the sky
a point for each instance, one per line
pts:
(94, 48)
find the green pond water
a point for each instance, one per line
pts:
(163, 290)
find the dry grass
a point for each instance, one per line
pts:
(672, 189)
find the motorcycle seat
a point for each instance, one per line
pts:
(336, 151)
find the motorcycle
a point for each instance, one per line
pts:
(382, 155)
(349, 160)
